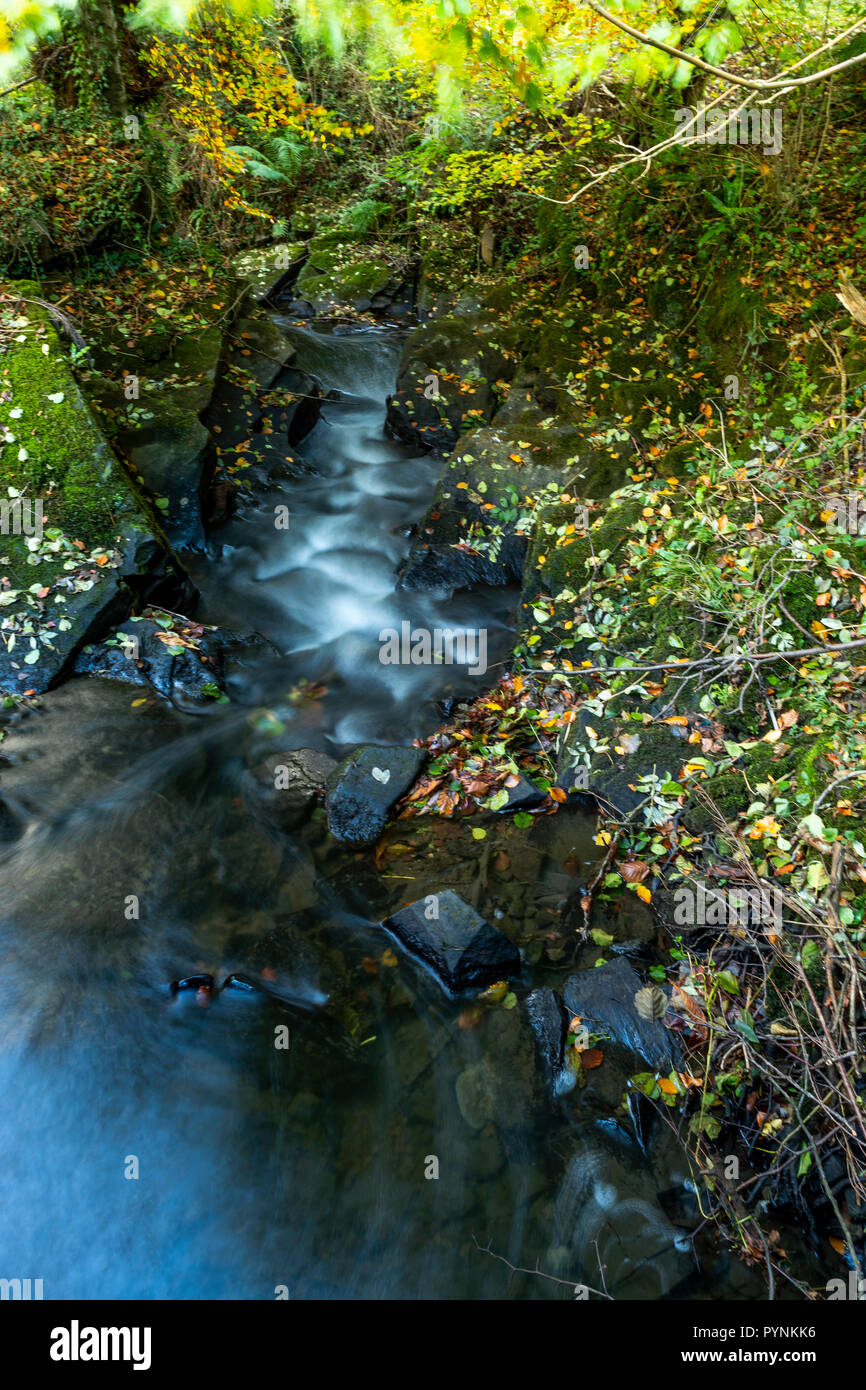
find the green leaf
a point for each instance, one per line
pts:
(729, 983)
(601, 938)
(478, 833)
(810, 954)
(522, 820)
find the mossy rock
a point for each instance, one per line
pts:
(264, 268)
(62, 580)
(336, 277)
(446, 382)
(160, 434)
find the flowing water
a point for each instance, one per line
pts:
(162, 1146)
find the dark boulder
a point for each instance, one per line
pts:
(523, 797)
(187, 663)
(364, 787)
(605, 997)
(459, 946)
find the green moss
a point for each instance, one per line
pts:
(53, 450)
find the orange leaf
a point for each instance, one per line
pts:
(664, 1084)
(593, 1057)
(644, 893)
(557, 794)
(838, 1245)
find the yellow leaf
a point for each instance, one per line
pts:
(643, 892)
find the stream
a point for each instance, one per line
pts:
(161, 1146)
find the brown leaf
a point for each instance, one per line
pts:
(478, 788)
(651, 1003)
(633, 870)
(593, 1057)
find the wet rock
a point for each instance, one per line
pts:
(447, 375)
(364, 787)
(195, 982)
(549, 1022)
(490, 466)
(605, 997)
(169, 450)
(284, 788)
(523, 797)
(187, 674)
(296, 416)
(10, 826)
(259, 349)
(460, 947)
(474, 1096)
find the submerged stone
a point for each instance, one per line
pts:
(284, 787)
(462, 949)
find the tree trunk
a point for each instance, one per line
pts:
(99, 21)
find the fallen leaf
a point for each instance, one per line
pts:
(634, 871)
(651, 1003)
